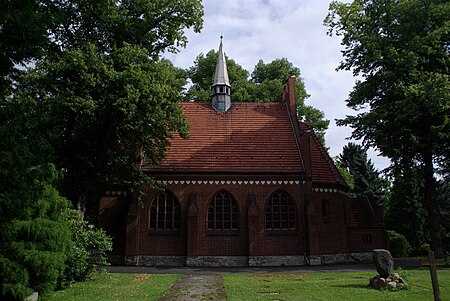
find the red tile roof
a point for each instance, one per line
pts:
(249, 137)
(360, 212)
(323, 169)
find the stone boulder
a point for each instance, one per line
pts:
(377, 282)
(394, 281)
(383, 262)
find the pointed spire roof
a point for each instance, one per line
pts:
(221, 73)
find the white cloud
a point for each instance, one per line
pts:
(271, 29)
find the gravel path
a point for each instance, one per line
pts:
(196, 287)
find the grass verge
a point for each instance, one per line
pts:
(108, 287)
(346, 286)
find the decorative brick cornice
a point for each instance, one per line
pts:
(116, 193)
(229, 182)
(327, 190)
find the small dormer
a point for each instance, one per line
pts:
(221, 89)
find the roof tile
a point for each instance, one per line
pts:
(250, 137)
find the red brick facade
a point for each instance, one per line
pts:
(251, 186)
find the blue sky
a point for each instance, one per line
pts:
(271, 29)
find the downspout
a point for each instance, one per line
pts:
(305, 216)
(302, 190)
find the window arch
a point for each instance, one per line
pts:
(222, 213)
(280, 212)
(325, 211)
(164, 213)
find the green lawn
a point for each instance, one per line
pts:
(330, 286)
(346, 286)
(116, 287)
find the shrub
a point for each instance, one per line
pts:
(14, 279)
(398, 244)
(88, 250)
(33, 247)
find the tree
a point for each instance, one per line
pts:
(443, 201)
(23, 36)
(400, 49)
(265, 85)
(367, 180)
(405, 212)
(94, 103)
(113, 101)
(35, 235)
(201, 75)
(110, 112)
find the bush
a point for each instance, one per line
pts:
(398, 244)
(14, 279)
(48, 247)
(33, 248)
(88, 250)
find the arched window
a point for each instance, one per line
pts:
(222, 213)
(325, 211)
(280, 212)
(165, 213)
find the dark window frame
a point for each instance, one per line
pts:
(280, 213)
(164, 214)
(222, 213)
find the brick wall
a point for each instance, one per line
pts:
(194, 239)
(193, 243)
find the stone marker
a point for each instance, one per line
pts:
(33, 297)
(385, 279)
(383, 262)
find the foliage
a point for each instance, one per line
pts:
(405, 212)
(347, 176)
(87, 253)
(443, 201)
(398, 245)
(33, 244)
(83, 98)
(34, 235)
(266, 84)
(110, 99)
(128, 287)
(201, 75)
(122, 108)
(404, 274)
(367, 180)
(400, 50)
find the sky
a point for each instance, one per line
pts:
(273, 29)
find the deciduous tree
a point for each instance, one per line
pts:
(266, 84)
(400, 50)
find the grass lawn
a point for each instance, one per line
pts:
(330, 286)
(116, 287)
(346, 286)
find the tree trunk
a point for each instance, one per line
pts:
(433, 218)
(81, 205)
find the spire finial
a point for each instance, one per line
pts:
(221, 92)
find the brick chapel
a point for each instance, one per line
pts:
(251, 186)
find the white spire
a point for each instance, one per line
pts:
(221, 74)
(221, 89)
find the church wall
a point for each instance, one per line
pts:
(365, 239)
(329, 240)
(329, 234)
(196, 242)
(264, 242)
